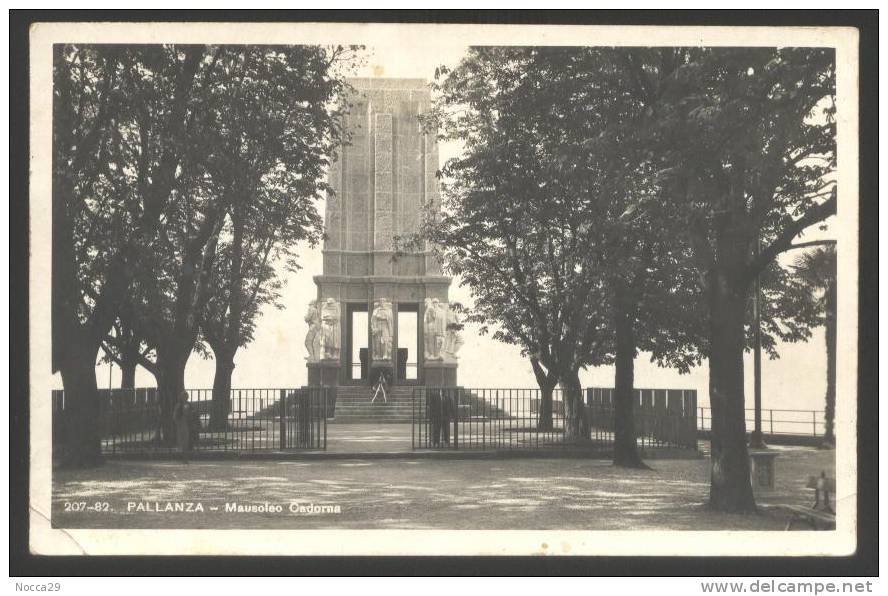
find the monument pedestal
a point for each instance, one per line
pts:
(439, 373)
(762, 469)
(323, 373)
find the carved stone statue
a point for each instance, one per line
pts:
(381, 327)
(330, 323)
(440, 325)
(314, 336)
(434, 323)
(427, 325)
(453, 340)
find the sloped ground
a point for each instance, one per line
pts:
(413, 494)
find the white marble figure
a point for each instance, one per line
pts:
(314, 337)
(440, 327)
(453, 340)
(428, 338)
(433, 328)
(381, 327)
(375, 346)
(330, 320)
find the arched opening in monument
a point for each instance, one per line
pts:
(408, 342)
(358, 324)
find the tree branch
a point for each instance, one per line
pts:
(811, 243)
(783, 242)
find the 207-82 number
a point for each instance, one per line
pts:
(75, 506)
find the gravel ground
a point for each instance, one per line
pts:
(416, 494)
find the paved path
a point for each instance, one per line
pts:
(408, 494)
(368, 438)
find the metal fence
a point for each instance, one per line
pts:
(662, 417)
(459, 418)
(249, 420)
(507, 419)
(810, 423)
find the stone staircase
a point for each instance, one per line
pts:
(353, 406)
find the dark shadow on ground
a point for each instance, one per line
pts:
(441, 494)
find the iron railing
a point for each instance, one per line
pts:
(810, 423)
(249, 420)
(458, 418)
(508, 419)
(662, 417)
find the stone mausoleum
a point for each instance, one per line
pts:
(377, 316)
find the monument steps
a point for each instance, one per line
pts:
(378, 408)
(378, 404)
(353, 405)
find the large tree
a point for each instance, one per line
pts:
(137, 205)
(270, 125)
(542, 220)
(748, 140)
(650, 292)
(260, 234)
(518, 224)
(274, 208)
(120, 122)
(585, 117)
(243, 281)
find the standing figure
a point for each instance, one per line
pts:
(375, 345)
(382, 328)
(330, 321)
(440, 326)
(453, 341)
(431, 325)
(380, 388)
(388, 329)
(314, 337)
(181, 418)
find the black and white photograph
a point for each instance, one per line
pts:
(418, 289)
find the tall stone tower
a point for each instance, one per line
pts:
(376, 314)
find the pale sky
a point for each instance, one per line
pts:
(277, 356)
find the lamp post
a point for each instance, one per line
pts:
(756, 441)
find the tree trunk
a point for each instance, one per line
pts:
(171, 364)
(221, 405)
(544, 422)
(73, 350)
(82, 412)
(130, 351)
(829, 438)
(730, 487)
(625, 445)
(575, 424)
(546, 382)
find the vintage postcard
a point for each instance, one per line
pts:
(418, 289)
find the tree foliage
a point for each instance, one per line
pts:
(746, 140)
(154, 147)
(816, 275)
(643, 185)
